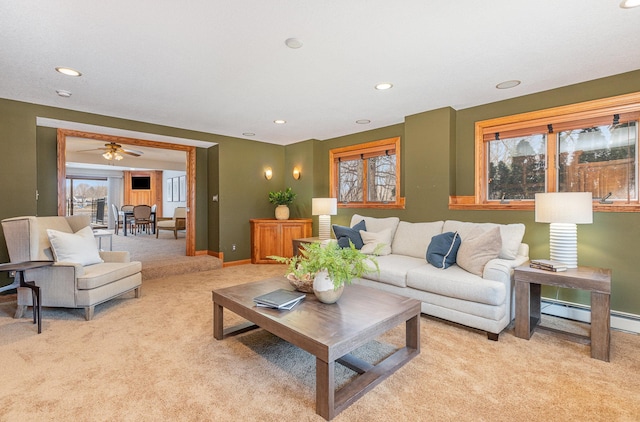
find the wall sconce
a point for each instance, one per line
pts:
(268, 174)
(296, 173)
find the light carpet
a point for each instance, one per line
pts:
(155, 359)
(162, 256)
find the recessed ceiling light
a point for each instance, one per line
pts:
(279, 122)
(68, 71)
(249, 134)
(293, 43)
(363, 121)
(384, 85)
(629, 4)
(508, 84)
(63, 93)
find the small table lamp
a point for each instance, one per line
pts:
(324, 208)
(564, 210)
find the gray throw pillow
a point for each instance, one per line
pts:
(478, 248)
(345, 234)
(443, 249)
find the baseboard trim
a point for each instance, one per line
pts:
(235, 263)
(619, 320)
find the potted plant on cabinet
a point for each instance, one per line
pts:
(282, 199)
(329, 266)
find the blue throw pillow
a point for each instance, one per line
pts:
(443, 249)
(344, 234)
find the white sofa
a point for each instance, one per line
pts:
(484, 302)
(68, 284)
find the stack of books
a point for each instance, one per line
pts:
(548, 265)
(279, 299)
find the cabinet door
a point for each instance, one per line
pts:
(266, 242)
(292, 231)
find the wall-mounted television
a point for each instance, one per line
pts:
(140, 182)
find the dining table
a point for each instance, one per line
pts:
(128, 216)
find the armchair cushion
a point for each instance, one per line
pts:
(79, 247)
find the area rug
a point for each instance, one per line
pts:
(155, 358)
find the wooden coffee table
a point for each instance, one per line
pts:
(329, 332)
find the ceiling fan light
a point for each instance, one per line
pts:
(108, 155)
(118, 157)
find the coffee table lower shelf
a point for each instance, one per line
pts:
(353, 326)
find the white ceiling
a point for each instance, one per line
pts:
(86, 153)
(222, 66)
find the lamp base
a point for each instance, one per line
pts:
(324, 227)
(563, 243)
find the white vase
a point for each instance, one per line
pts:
(324, 290)
(282, 212)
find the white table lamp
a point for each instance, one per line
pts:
(564, 210)
(324, 208)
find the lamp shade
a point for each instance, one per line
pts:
(564, 207)
(324, 206)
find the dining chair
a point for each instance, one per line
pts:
(116, 218)
(141, 218)
(126, 208)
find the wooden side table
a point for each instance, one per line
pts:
(19, 281)
(596, 280)
(298, 243)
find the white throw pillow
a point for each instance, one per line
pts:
(477, 248)
(378, 243)
(79, 247)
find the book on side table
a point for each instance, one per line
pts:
(279, 299)
(548, 265)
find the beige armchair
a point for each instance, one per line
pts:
(67, 284)
(178, 222)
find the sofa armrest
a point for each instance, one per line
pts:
(115, 256)
(501, 269)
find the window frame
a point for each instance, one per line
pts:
(626, 106)
(368, 149)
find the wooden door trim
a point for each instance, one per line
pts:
(191, 172)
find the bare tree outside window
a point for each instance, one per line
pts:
(350, 176)
(367, 175)
(382, 178)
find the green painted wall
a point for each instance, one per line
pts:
(300, 155)
(438, 161)
(437, 156)
(233, 169)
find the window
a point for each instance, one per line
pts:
(367, 175)
(586, 147)
(88, 196)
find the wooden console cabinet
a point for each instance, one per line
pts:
(275, 237)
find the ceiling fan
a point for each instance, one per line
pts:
(113, 151)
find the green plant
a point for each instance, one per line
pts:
(341, 264)
(285, 197)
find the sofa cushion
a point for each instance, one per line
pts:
(477, 248)
(345, 234)
(457, 283)
(376, 243)
(442, 251)
(511, 234)
(101, 274)
(393, 269)
(412, 239)
(79, 247)
(377, 224)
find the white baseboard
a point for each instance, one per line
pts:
(619, 320)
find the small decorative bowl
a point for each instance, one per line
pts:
(304, 286)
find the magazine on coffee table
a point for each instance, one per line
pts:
(279, 299)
